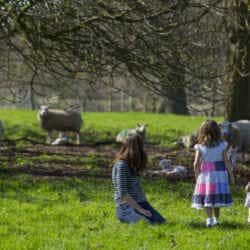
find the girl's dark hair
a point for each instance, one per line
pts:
(209, 134)
(132, 151)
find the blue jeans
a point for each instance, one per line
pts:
(127, 214)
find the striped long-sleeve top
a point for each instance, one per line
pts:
(126, 182)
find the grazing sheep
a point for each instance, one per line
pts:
(244, 134)
(230, 133)
(60, 120)
(243, 142)
(169, 170)
(237, 135)
(188, 141)
(140, 129)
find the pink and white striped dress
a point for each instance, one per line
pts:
(212, 186)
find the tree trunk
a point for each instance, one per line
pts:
(122, 100)
(238, 84)
(174, 98)
(31, 91)
(130, 101)
(212, 113)
(110, 102)
(32, 99)
(174, 101)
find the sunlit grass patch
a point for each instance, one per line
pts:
(163, 129)
(39, 212)
(79, 213)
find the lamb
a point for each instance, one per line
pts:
(60, 120)
(140, 129)
(165, 164)
(62, 139)
(167, 169)
(188, 141)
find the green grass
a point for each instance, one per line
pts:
(79, 213)
(72, 213)
(164, 129)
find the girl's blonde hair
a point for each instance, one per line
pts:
(247, 188)
(209, 134)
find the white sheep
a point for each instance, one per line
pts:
(140, 129)
(239, 131)
(60, 120)
(167, 169)
(232, 135)
(62, 139)
(188, 141)
(165, 164)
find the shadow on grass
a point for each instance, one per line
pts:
(232, 225)
(168, 138)
(223, 225)
(24, 135)
(25, 188)
(196, 225)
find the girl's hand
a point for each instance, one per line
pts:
(147, 213)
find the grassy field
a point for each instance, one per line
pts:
(50, 212)
(163, 129)
(73, 213)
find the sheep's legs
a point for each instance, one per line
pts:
(61, 135)
(78, 138)
(49, 137)
(233, 156)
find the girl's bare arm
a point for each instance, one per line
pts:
(197, 162)
(129, 199)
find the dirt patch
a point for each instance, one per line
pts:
(91, 160)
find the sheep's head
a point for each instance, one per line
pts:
(141, 129)
(43, 111)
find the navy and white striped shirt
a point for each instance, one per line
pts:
(126, 182)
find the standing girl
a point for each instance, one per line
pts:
(211, 167)
(247, 204)
(131, 202)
